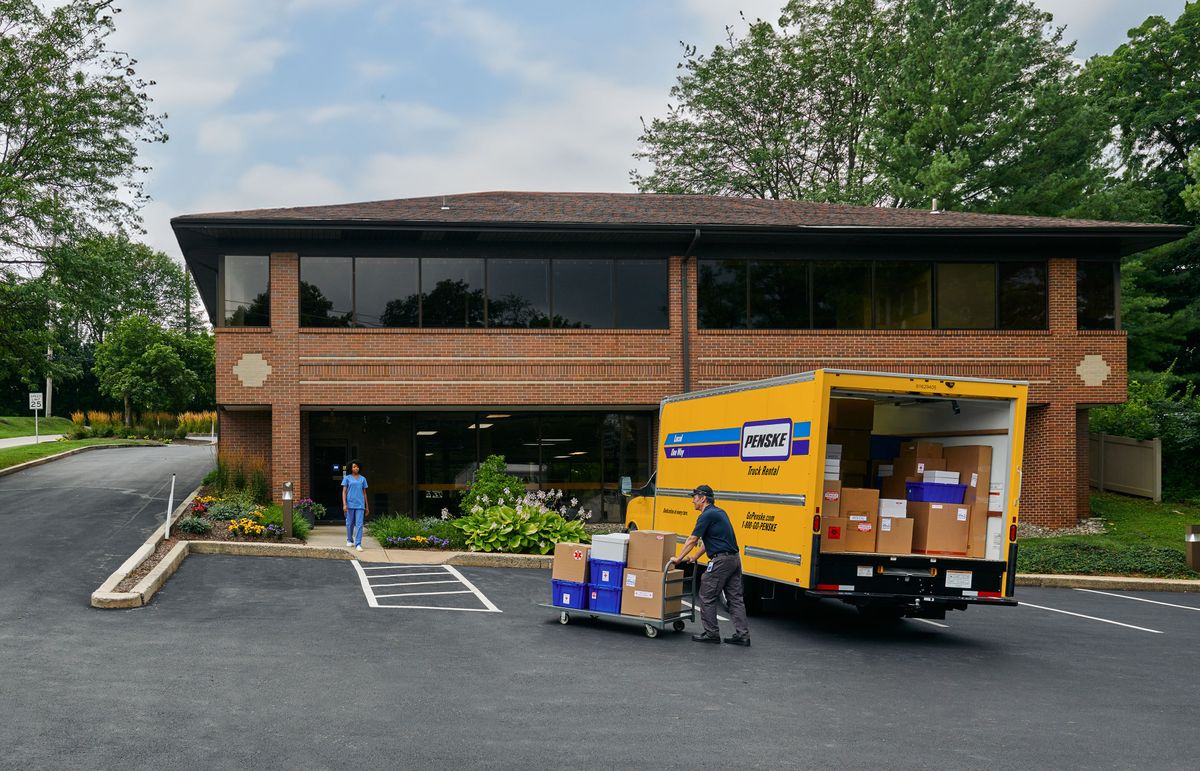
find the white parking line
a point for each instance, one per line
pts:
(446, 571)
(1139, 599)
(1024, 604)
(931, 623)
(719, 616)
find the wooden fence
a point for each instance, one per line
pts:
(1125, 465)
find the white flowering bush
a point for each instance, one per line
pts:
(529, 524)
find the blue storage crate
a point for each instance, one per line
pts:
(568, 594)
(607, 573)
(606, 599)
(935, 492)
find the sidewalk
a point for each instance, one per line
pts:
(20, 441)
(334, 536)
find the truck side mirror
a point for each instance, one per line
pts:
(626, 486)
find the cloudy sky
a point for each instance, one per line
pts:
(296, 102)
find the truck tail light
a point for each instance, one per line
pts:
(816, 523)
(1012, 532)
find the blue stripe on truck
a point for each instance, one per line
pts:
(710, 436)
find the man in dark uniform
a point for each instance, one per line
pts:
(724, 572)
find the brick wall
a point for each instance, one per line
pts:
(636, 368)
(246, 435)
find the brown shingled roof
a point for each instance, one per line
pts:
(643, 209)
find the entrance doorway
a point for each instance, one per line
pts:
(326, 474)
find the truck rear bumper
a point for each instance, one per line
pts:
(864, 578)
(874, 598)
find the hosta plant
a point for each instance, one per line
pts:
(518, 530)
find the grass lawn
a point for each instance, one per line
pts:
(1143, 539)
(11, 456)
(23, 426)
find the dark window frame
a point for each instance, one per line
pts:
(222, 273)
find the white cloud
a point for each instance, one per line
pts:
(497, 43)
(228, 134)
(374, 70)
(715, 15)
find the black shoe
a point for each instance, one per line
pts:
(738, 640)
(705, 638)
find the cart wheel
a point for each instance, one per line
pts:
(678, 626)
(651, 631)
(563, 617)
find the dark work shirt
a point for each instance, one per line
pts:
(713, 527)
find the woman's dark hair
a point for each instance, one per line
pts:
(353, 463)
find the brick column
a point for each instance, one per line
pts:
(285, 352)
(1049, 492)
(1083, 471)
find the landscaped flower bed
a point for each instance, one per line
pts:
(236, 517)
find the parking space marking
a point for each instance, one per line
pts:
(1139, 599)
(932, 623)
(451, 575)
(1090, 618)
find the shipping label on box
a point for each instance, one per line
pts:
(996, 497)
(831, 498)
(833, 534)
(650, 549)
(571, 562)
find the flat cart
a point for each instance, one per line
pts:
(652, 626)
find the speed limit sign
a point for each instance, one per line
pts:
(35, 401)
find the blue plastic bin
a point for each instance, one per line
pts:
(568, 594)
(607, 573)
(606, 599)
(935, 492)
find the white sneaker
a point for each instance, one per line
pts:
(349, 543)
(357, 548)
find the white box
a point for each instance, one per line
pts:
(833, 451)
(833, 465)
(612, 547)
(995, 538)
(996, 497)
(832, 477)
(886, 470)
(940, 477)
(893, 507)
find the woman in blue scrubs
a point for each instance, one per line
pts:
(354, 503)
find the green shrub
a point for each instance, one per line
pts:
(211, 477)
(231, 507)
(491, 485)
(273, 515)
(258, 485)
(444, 528)
(1073, 557)
(528, 531)
(397, 526)
(195, 525)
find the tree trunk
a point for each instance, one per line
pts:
(128, 421)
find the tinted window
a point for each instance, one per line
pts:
(518, 293)
(778, 294)
(386, 292)
(841, 295)
(721, 294)
(1022, 295)
(326, 291)
(583, 293)
(451, 292)
(246, 291)
(966, 295)
(641, 294)
(903, 295)
(1096, 296)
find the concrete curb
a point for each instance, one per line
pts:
(491, 560)
(250, 549)
(39, 461)
(1124, 583)
(106, 595)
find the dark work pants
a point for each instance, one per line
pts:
(725, 574)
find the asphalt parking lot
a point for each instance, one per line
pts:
(287, 663)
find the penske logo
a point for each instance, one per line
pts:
(767, 440)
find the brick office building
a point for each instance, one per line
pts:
(421, 335)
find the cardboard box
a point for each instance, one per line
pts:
(977, 533)
(834, 465)
(895, 536)
(881, 469)
(996, 497)
(833, 534)
(860, 500)
(860, 533)
(968, 457)
(893, 507)
(913, 468)
(650, 549)
(852, 413)
(642, 592)
(892, 487)
(831, 499)
(921, 450)
(941, 477)
(610, 546)
(853, 480)
(940, 528)
(571, 562)
(856, 445)
(832, 477)
(855, 467)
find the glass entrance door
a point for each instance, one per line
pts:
(326, 474)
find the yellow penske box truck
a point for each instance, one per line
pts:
(765, 447)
